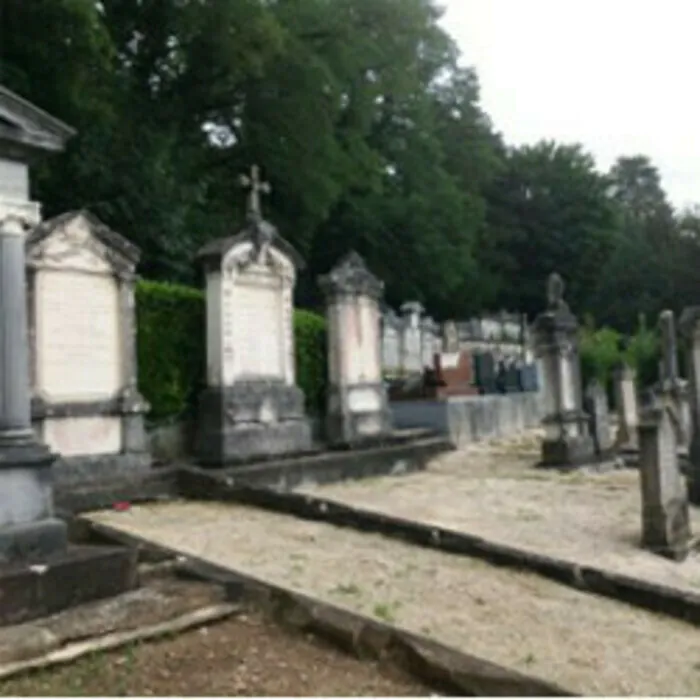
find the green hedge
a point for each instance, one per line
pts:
(600, 352)
(172, 351)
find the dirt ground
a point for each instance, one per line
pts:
(245, 655)
(587, 644)
(494, 491)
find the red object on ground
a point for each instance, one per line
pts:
(122, 505)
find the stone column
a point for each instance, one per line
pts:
(627, 410)
(27, 526)
(665, 520)
(690, 329)
(567, 439)
(670, 380)
(357, 405)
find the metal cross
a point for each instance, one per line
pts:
(256, 187)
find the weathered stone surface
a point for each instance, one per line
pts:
(357, 405)
(567, 441)
(690, 328)
(596, 406)
(627, 407)
(665, 521)
(252, 407)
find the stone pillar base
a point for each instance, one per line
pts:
(30, 463)
(357, 414)
(666, 530)
(568, 452)
(249, 421)
(33, 541)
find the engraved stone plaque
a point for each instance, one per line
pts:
(77, 335)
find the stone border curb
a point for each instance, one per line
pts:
(657, 598)
(438, 665)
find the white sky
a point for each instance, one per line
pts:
(619, 76)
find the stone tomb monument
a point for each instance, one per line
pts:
(357, 403)
(82, 324)
(252, 407)
(625, 380)
(40, 572)
(665, 519)
(567, 440)
(690, 329)
(596, 404)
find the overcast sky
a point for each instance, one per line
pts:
(621, 77)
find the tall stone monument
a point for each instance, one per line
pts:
(252, 407)
(665, 519)
(567, 440)
(357, 403)
(82, 326)
(28, 527)
(670, 382)
(625, 382)
(690, 328)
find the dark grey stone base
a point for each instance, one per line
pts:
(75, 576)
(251, 420)
(35, 541)
(75, 472)
(568, 452)
(24, 451)
(666, 531)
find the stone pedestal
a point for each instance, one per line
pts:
(82, 327)
(596, 405)
(690, 328)
(251, 408)
(27, 526)
(665, 520)
(567, 441)
(357, 404)
(627, 408)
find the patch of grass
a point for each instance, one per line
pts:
(530, 659)
(386, 611)
(347, 589)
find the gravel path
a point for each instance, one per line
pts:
(584, 643)
(495, 492)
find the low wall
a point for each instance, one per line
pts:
(468, 419)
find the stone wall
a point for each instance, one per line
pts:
(469, 419)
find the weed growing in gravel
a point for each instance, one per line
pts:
(347, 589)
(387, 611)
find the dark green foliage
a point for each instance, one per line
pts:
(172, 349)
(171, 346)
(311, 364)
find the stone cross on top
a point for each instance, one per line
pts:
(256, 187)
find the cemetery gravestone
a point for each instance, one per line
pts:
(690, 327)
(391, 332)
(82, 325)
(567, 440)
(627, 407)
(28, 527)
(597, 408)
(252, 407)
(665, 519)
(450, 337)
(411, 347)
(357, 404)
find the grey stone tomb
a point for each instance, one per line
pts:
(252, 407)
(596, 403)
(357, 404)
(625, 382)
(450, 337)
(690, 328)
(28, 527)
(411, 345)
(670, 382)
(567, 440)
(665, 520)
(82, 327)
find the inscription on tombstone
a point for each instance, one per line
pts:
(86, 405)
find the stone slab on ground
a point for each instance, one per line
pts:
(494, 491)
(581, 642)
(245, 655)
(160, 600)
